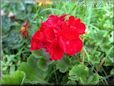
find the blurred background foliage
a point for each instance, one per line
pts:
(93, 65)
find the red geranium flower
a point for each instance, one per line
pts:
(59, 36)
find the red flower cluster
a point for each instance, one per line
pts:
(59, 35)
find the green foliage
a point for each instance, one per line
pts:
(9, 63)
(93, 79)
(112, 71)
(63, 65)
(34, 74)
(81, 73)
(13, 79)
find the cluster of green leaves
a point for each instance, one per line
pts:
(91, 66)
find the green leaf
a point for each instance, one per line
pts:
(12, 40)
(71, 82)
(108, 61)
(15, 78)
(79, 72)
(12, 68)
(93, 79)
(112, 71)
(83, 81)
(42, 63)
(37, 53)
(40, 54)
(63, 64)
(34, 74)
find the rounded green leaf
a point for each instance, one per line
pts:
(63, 64)
(93, 79)
(112, 71)
(79, 71)
(15, 78)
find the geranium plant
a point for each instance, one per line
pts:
(57, 42)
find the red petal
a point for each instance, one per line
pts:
(76, 24)
(49, 34)
(69, 33)
(80, 28)
(55, 51)
(62, 17)
(35, 45)
(36, 41)
(71, 47)
(71, 20)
